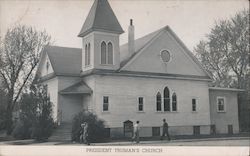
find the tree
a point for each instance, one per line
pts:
(35, 119)
(2, 106)
(43, 124)
(19, 55)
(225, 54)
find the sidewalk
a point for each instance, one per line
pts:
(118, 143)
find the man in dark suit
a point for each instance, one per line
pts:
(165, 130)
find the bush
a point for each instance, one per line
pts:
(96, 128)
(3, 104)
(35, 120)
(43, 126)
(21, 130)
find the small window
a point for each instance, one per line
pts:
(156, 131)
(230, 129)
(165, 56)
(221, 104)
(196, 130)
(47, 66)
(105, 103)
(194, 105)
(174, 102)
(158, 101)
(140, 104)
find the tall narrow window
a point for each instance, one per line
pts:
(47, 66)
(166, 99)
(105, 103)
(174, 102)
(158, 101)
(86, 55)
(140, 104)
(103, 53)
(110, 53)
(194, 105)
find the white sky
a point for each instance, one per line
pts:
(191, 20)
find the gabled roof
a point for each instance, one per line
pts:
(78, 88)
(145, 41)
(139, 44)
(65, 61)
(101, 18)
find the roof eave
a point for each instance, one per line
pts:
(227, 89)
(82, 34)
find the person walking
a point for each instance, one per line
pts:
(165, 130)
(136, 136)
(84, 133)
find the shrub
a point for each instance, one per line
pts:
(21, 130)
(96, 128)
(43, 125)
(35, 120)
(3, 104)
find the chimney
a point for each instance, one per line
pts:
(131, 38)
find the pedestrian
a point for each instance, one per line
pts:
(84, 133)
(81, 132)
(165, 130)
(136, 136)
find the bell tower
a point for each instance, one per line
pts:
(100, 38)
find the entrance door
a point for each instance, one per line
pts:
(128, 128)
(70, 106)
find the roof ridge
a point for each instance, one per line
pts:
(154, 33)
(56, 46)
(148, 34)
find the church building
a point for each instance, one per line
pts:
(148, 79)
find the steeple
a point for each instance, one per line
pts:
(101, 18)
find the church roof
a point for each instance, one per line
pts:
(101, 18)
(139, 44)
(145, 41)
(65, 61)
(78, 88)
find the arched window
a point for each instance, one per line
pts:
(89, 54)
(103, 53)
(86, 55)
(158, 101)
(174, 102)
(166, 99)
(110, 53)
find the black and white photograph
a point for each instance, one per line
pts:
(124, 77)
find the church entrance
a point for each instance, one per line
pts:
(70, 106)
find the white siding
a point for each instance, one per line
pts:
(53, 93)
(123, 93)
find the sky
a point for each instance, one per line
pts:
(191, 20)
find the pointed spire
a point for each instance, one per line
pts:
(101, 18)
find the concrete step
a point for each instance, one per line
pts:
(62, 133)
